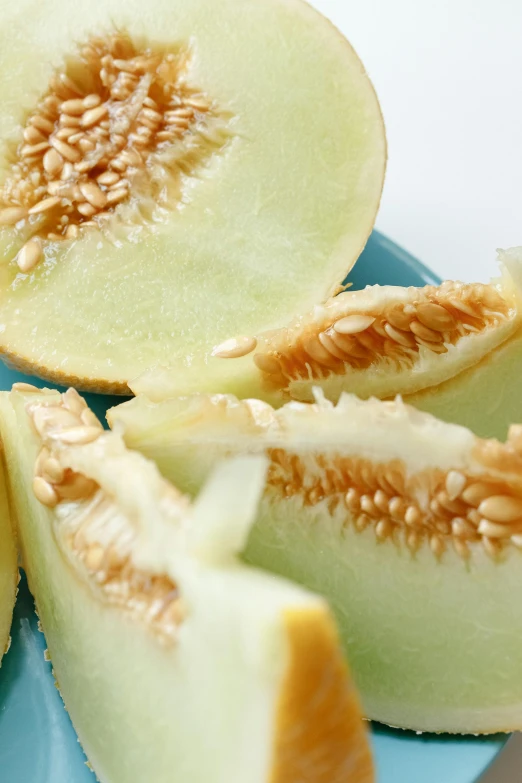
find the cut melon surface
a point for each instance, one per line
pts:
(410, 527)
(452, 350)
(175, 661)
(8, 567)
(170, 178)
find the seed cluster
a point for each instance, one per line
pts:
(435, 318)
(435, 508)
(100, 136)
(66, 420)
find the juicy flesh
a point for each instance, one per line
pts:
(410, 527)
(227, 185)
(266, 668)
(434, 643)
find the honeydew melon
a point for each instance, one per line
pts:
(452, 350)
(8, 567)
(409, 526)
(170, 178)
(176, 662)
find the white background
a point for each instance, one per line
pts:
(449, 77)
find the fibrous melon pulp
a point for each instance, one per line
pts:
(452, 350)
(170, 178)
(412, 528)
(175, 661)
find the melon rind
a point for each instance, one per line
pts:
(283, 211)
(217, 703)
(435, 642)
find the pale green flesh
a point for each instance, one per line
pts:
(275, 221)
(201, 710)
(8, 567)
(434, 645)
(486, 398)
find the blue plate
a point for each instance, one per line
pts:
(37, 740)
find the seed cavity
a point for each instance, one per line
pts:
(433, 508)
(117, 110)
(427, 321)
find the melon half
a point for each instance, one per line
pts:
(453, 350)
(174, 177)
(176, 662)
(410, 527)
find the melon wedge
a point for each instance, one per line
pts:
(171, 178)
(8, 567)
(175, 661)
(411, 527)
(452, 350)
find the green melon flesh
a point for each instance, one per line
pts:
(474, 383)
(251, 687)
(435, 639)
(486, 398)
(269, 224)
(8, 567)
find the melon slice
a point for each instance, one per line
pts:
(8, 567)
(452, 350)
(411, 527)
(175, 661)
(170, 178)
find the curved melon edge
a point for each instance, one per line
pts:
(61, 377)
(343, 256)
